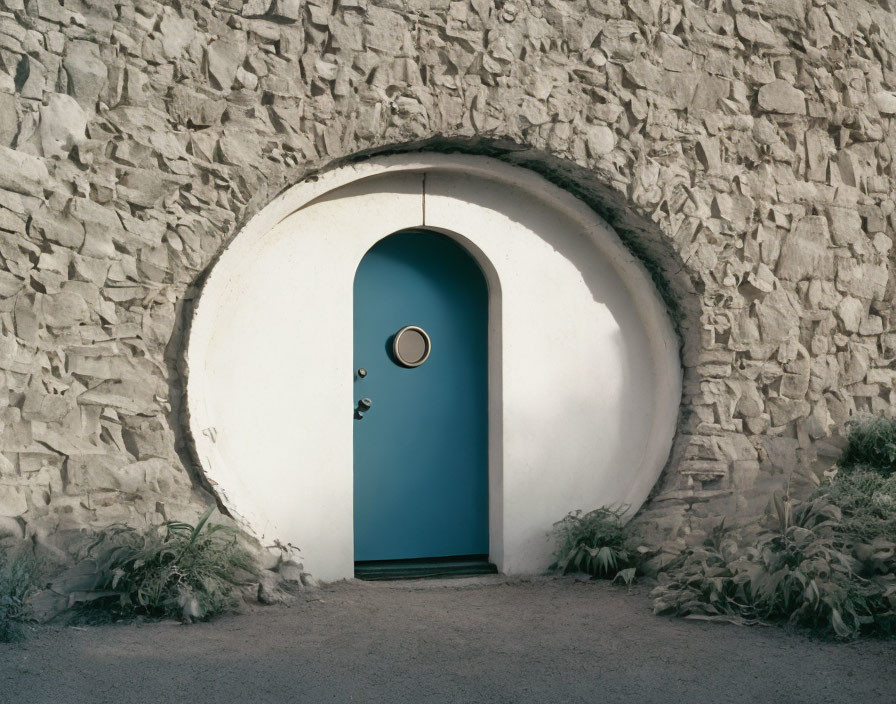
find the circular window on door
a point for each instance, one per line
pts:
(411, 346)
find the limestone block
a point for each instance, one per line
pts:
(883, 243)
(819, 423)
(781, 96)
(255, 8)
(885, 102)
(757, 31)
(147, 438)
(64, 309)
(794, 386)
(862, 280)
(871, 325)
(86, 472)
(223, 56)
(22, 173)
(155, 475)
(734, 208)
(533, 111)
(824, 374)
(854, 363)
(750, 403)
(57, 227)
(735, 447)
(846, 225)
(780, 453)
(9, 120)
(269, 590)
(13, 500)
(87, 73)
(778, 317)
(63, 125)
(708, 92)
(99, 364)
(820, 32)
(600, 140)
(289, 10)
(10, 284)
(30, 77)
(142, 187)
(44, 407)
(851, 311)
(11, 222)
(128, 396)
(175, 33)
(384, 30)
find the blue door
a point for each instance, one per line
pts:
(421, 418)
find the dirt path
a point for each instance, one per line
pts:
(483, 640)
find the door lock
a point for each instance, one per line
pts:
(362, 372)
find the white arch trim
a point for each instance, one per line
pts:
(584, 373)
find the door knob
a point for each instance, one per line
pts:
(363, 406)
(362, 372)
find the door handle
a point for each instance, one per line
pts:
(363, 406)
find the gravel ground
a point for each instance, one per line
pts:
(473, 640)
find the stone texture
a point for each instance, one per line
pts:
(806, 251)
(9, 120)
(780, 96)
(22, 173)
(744, 149)
(63, 125)
(86, 72)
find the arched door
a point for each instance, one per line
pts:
(421, 413)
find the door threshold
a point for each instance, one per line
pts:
(424, 568)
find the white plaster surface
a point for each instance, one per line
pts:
(584, 374)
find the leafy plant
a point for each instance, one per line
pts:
(19, 575)
(174, 570)
(871, 445)
(867, 501)
(803, 569)
(597, 542)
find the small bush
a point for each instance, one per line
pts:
(867, 501)
(804, 569)
(597, 542)
(871, 445)
(175, 570)
(19, 575)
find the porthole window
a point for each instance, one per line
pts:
(411, 346)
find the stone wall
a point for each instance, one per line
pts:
(745, 149)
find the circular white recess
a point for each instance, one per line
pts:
(584, 376)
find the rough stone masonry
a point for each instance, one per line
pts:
(744, 148)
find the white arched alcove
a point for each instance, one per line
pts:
(584, 375)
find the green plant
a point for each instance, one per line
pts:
(597, 542)
(173, 570)
(802, 569)
(871, 445)
(19, 575)
(867, 501)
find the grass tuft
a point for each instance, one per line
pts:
(867, 500)
(19, 575)
(871, 445)
(176, 570)
(598, 543)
